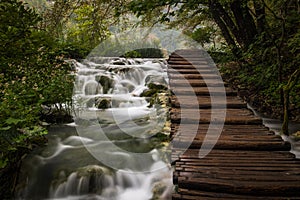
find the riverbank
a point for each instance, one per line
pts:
(255, 95)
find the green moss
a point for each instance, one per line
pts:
(154, 86)
(148, 93)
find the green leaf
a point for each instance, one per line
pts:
(3, 163)
(14, 121)
(5, 128)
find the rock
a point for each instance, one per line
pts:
(95, 175)
(148, 93)
(153, 89)
(155, 79)
(155, 86)
(158, 190)
(103, 103)
(106, 83)
(91, 179)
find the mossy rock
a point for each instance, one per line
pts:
(162, 137)
(94, 169)
(155, 79)
(153, 89)
(148, 93)
(155, 86)
(158, 190)
(106, 83)
(103, 103)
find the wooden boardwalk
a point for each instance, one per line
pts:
(247, 162)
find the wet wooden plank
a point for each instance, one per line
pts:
(237, 145)
(290, 188)
(184, 101)
(205, 91)
(228, 116)
(193, 76)
(198, 66)
(196, 83)
(193, 71)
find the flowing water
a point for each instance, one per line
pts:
(110, 152)
(276, 124)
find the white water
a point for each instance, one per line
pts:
(107, 154)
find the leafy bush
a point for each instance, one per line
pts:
(33, 72)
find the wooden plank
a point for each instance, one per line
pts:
(233, 116)
(193, 71)
(196, 83)
(188, 61)
(290, 188)
(237, 145)
(199, 66)
(255, 130)
(205, 91)
(243, 176)
(205, 102)
(193, 76)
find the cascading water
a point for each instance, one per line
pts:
(109, 152)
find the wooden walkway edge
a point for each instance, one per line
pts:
(247, 162)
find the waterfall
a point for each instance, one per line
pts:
(108, 153)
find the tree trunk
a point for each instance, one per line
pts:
(225, 32)
(227, 20)
(246, 25)
(286, 91)
(260, 16)
(285, 124)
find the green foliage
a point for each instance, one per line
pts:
(130, 44)
(87, 25)
(145, 53)
(132, 54)
(33, 72)
(202, 35)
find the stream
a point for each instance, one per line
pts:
(111, 151)
(275, 126)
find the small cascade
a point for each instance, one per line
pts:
(104, 184)
(87, 180)
(108, 153)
